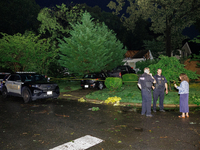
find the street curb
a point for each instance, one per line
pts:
(129, 104)
(139, 104)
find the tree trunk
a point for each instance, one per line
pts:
(168, 39)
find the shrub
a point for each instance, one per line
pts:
(195, 99)
(113, 83)
(130, 79)
(171, 69)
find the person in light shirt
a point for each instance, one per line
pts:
(183, 90)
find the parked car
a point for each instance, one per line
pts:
(119, 71)
(94, 80)
(30, 86)
(3, 77)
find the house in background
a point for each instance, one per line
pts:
(188, 49)
(184, 52)
(133, 56)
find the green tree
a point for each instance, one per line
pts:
(171, 69)
(168, 18)
(25, 53)
(55, 20)
(55, 24)
(18, 16)
(143, 64)
(194, 56)
(133, 40)
(92, 47)
(156, 47)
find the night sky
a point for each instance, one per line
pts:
(191, 32)
(101, 3)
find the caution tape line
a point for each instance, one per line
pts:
(52, 79)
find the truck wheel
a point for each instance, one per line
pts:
(26, 95)
(100, 86)
(4, 92)
(57, 90)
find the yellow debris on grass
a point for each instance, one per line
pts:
(113, 100)
(81, 100)
(67, 95)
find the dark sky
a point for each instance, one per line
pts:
(191, 32)
(101, 3)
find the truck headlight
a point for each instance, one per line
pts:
(36, 86)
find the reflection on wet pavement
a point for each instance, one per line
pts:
(45, 124)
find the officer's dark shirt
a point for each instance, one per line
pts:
(160, 82)
(146, 81)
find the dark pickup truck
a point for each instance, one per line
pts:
(120, 71)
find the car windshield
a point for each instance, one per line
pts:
(121, 68)
(95, 75)
(92, 76)
(32, 77)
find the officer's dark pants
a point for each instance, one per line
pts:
(146, 101)
(158, 93)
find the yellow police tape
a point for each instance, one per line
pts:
(53, 79)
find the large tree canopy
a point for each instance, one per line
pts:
(92, 47)
(168, 18)
(55, 20)
(25, 53)
(18, 16)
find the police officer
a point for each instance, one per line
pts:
(145, 83)
(159, 90)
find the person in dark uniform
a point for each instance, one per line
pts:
(160, 87)
(145, 83)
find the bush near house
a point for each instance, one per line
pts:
(113, 83)
(130, 79)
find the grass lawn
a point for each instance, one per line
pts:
(131, 94)
(67, 85)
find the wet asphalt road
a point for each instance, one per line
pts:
(45, 124)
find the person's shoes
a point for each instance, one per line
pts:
(154, 110)
(142, 114)
(181, 116)
(187, 116)
(162, 110)
(149, 115)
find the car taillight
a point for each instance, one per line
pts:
(97, 79)
(120, 74)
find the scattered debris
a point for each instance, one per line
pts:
(138, 129)
(67, 95)
(119, 141)
(95, 108)
(62, 115)
(81, 100)
(164, 137)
